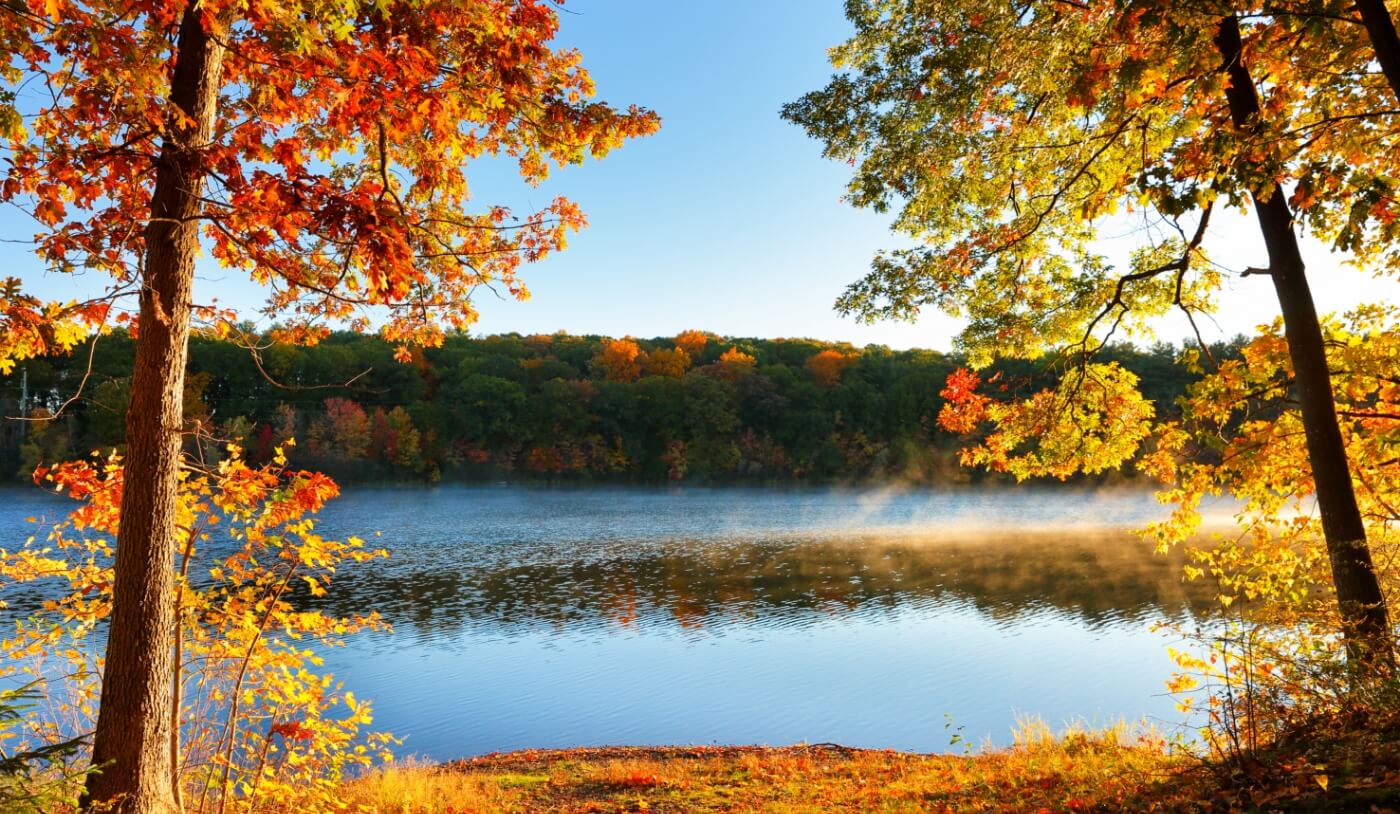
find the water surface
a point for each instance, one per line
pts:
(534, 617)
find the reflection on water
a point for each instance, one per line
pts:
(540, 618)
(1098, 578)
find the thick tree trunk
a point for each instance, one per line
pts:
(1380, 26)
(131, 748)
(1363, 609)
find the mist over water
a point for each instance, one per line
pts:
(533, 617)
(537, 617)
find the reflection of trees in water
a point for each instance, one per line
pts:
(1099, 579)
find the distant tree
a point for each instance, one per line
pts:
(342, 432)
(675, 460)
(402, 447)
(561, 412)
(671, 362)
(546, 460)
(380, 441)
(734, 356)
(828, 366)
(619, 360)
(732, 364)
(489, 407)
(693, 343)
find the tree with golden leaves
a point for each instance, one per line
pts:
(619, 360)
(1006, 135)
(669, 362)
(692, 342)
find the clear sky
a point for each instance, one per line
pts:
(729, 220)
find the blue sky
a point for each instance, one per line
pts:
(728, 220)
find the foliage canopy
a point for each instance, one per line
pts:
(1007, 136)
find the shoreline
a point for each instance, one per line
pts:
(1091, 771)
(1108, 770)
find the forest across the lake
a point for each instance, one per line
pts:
(696, 407)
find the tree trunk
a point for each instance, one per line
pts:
(131, 747)
(1384, 41)
(1363, 609)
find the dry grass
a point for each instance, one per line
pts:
(1078, 771)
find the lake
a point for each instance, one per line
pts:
(543, 617)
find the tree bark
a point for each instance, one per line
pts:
(1380, 26)
(1365, 619)
(131, 745)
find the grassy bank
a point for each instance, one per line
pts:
(1079, 771)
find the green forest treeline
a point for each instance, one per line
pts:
(696, 407)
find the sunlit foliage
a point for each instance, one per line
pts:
(828, 366)
(672, 363)
(476, 407)
(693, 342)
(1092, 422)
(618, 360)
(259, 725)
(1007, 169)
(1281, 658)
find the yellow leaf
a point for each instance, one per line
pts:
(1321, 780)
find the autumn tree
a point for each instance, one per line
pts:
(381, 441)
(733, 364)
(394, 438)
(670, 362)
(618, 360)
(1007, 135)
(320, 147)
(827, 366)
(342, 432)
(692, 342)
